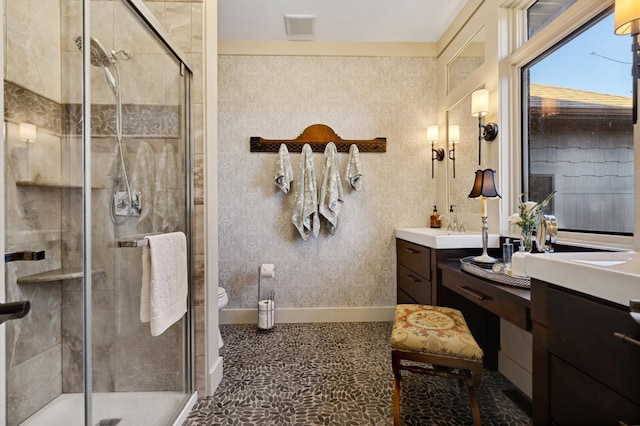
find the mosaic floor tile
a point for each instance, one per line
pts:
(336, 374)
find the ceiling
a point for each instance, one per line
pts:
(339, 20)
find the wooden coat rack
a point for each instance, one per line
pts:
(317, 136)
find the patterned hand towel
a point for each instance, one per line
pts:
(143, 181)
(283, 173)
(166, 202)
(305, 212)
(354, 170)
(331, 188)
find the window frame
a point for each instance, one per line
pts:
(519, 54)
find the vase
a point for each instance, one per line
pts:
(527, 240)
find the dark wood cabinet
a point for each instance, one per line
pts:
(414, 273)
(582, 373)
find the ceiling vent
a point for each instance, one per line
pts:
(300, 27)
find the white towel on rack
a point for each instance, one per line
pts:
(305, 211)
(283, 173)
(163, 298)
(143, 181)
(331, 188)
(354, 170)
(166, 216)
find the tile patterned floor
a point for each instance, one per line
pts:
(336, 374)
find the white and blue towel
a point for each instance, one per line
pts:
(330, 199)
(354, 170)
(283, 173)
(305, 211)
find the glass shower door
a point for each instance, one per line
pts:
(140, 155)
(140, 164)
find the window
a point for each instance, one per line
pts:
(578, 132)
(542, 12)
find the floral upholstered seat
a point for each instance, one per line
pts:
(434, 337)
(433, 330)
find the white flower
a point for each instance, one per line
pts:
(528, 206)
(515, 219)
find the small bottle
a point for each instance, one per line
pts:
(517, 262)
(507, 252)
(435, 221)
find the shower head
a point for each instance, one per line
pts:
(99, 56)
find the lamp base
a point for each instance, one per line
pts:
(484, 261)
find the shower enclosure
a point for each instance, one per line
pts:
(96, 157)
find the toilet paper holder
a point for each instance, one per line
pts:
(266, 298)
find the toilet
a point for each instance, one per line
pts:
(223, 299)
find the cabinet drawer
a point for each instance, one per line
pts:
(414, 257)
(577, 399)
(491, 297)
(415, 286)
(581, 332)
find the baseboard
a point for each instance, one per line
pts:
(307, 315)
(215, 375)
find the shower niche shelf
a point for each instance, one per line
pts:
(55, 275)
(54, 185)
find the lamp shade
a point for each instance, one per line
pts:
(484, 185)
(432, 133)
(480, 103)
(454, 133)
(627, 17)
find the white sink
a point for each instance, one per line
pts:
(440, 238)
(613, 276)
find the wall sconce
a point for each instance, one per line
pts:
(454, 138)
(480, 108)
(627, 21)
(484, 186)
(27, 132)
(436, 154)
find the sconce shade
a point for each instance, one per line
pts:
(432, 133)
(484, 185)
(627, 17)
(27, 132)
(454, 133)
(480, 103)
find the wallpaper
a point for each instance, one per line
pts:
(277, 97)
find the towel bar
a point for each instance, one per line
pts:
(133, 243)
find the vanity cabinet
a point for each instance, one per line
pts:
(414, 273)
(582, 372)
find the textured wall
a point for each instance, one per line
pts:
(360, 98)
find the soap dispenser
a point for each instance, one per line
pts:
(435, 221)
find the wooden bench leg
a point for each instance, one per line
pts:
(474, 378)
(396, 388)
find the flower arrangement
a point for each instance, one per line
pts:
(528, 217)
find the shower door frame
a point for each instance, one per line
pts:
(137, 8)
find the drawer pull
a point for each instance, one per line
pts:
(626, 338)
(412, 251)
(412, 278)
(473, 293)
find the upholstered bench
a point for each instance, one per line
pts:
(439, 337)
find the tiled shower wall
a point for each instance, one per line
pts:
(277, 97)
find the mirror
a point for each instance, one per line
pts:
(470, 57)
(466, 156)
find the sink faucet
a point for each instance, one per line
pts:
(455, 223)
